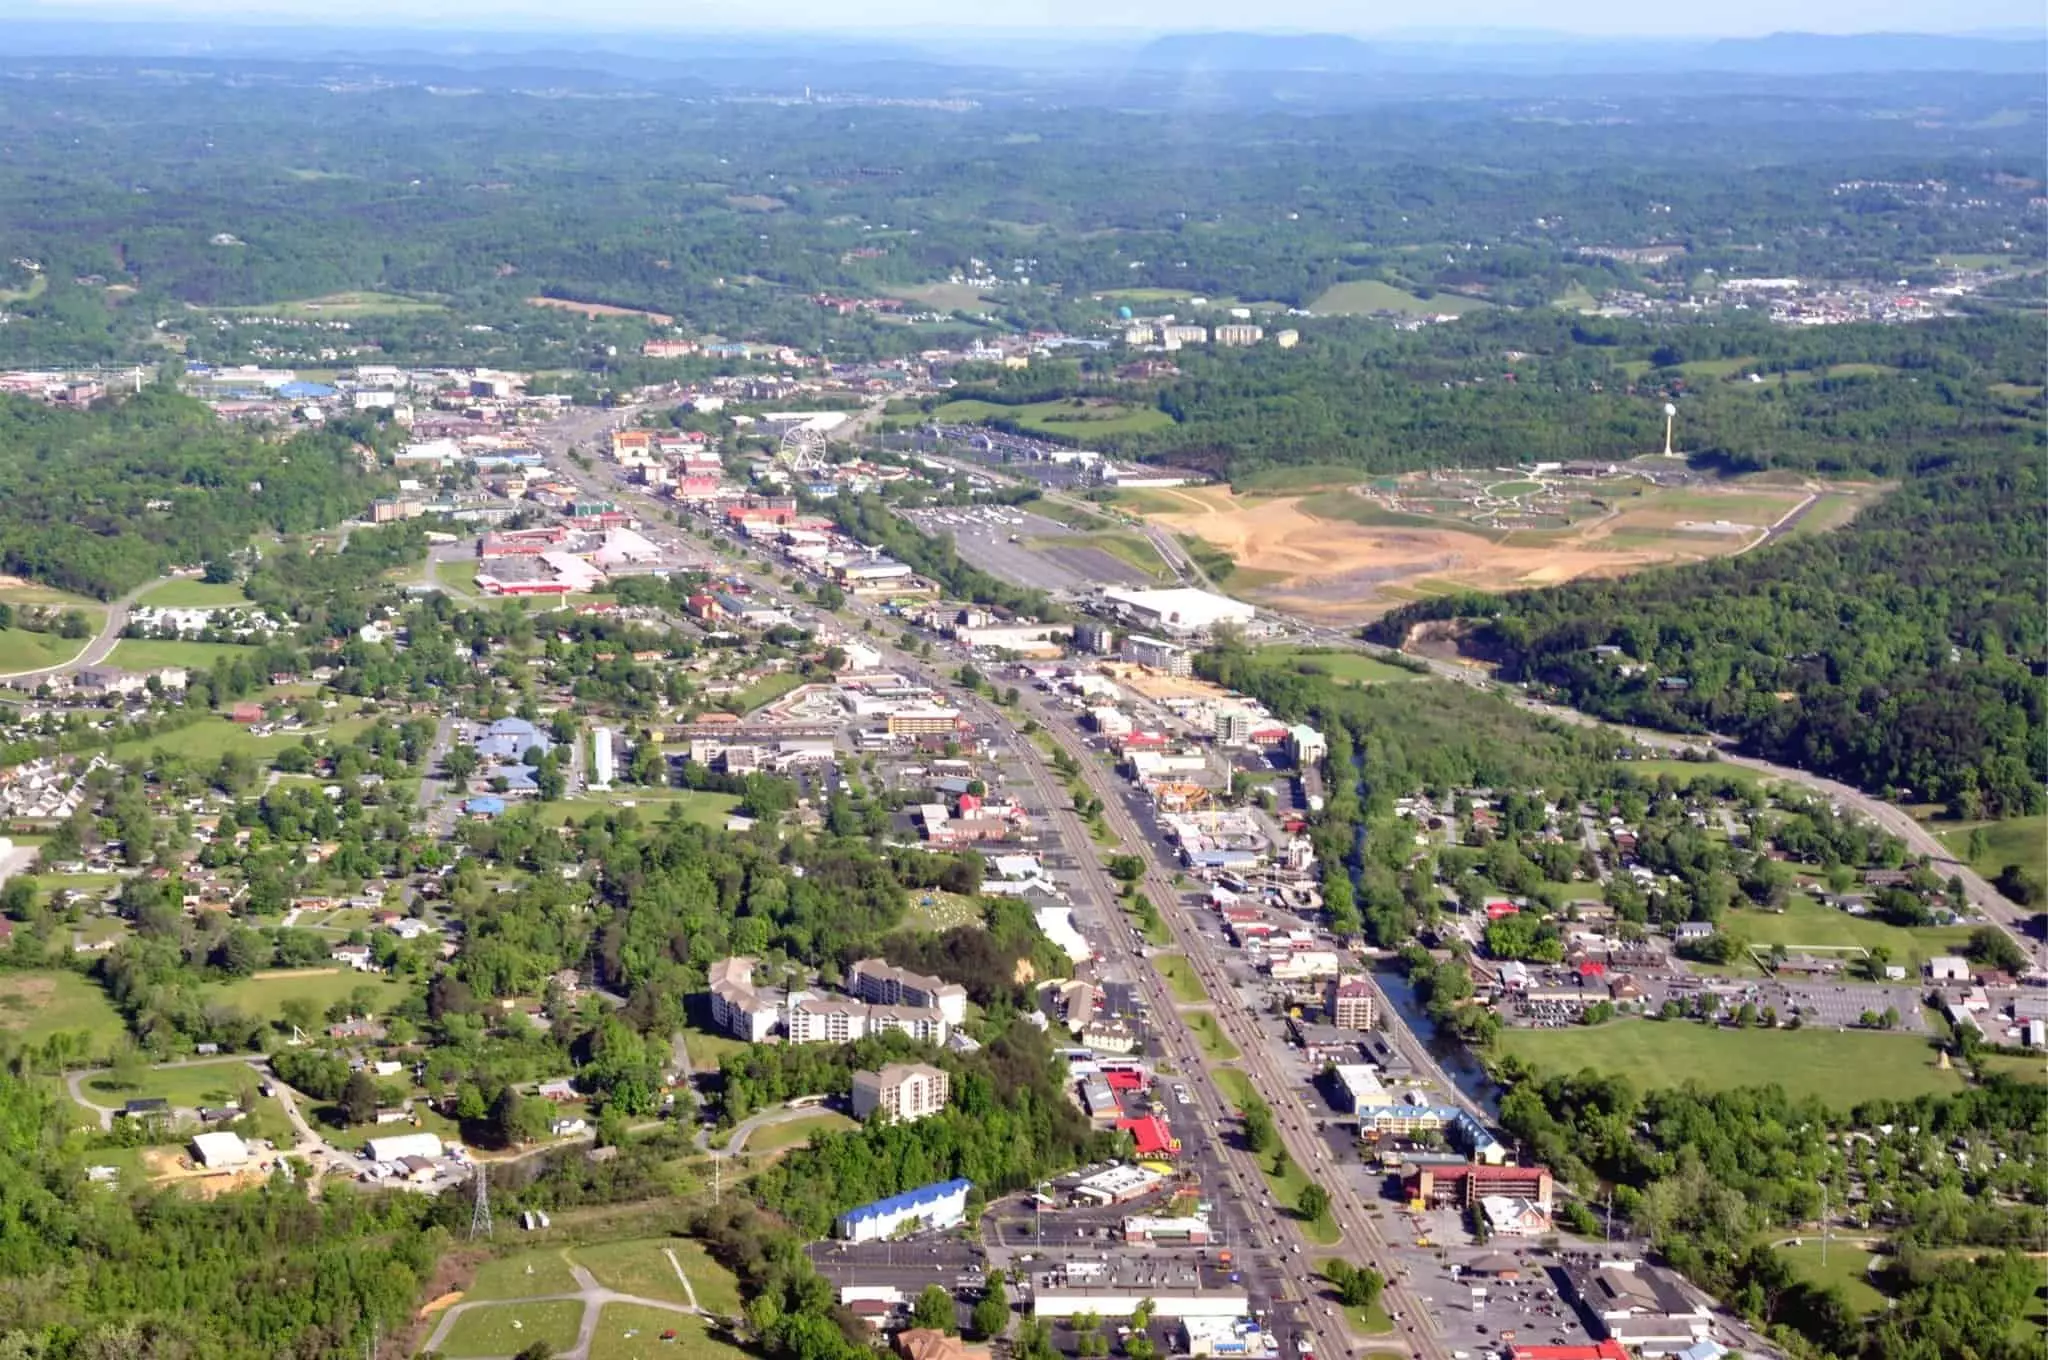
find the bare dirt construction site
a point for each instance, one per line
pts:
(1349, 553)
(601, 309)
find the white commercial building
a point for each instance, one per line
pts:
(1180, 612)
(603, 760)
(1071, 1301)
(929, 1207)
(216, 1151)
(400, 1145)
(1227, 1336)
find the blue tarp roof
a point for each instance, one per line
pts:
(306, 389)
(488, 806)
(909, 1200)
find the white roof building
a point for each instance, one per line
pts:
(403, 1145)
(215, 1151)
(1179, 612)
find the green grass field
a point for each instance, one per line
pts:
(507, 1328)
(1209, 1034)
(938, 911)
(31, 592)
(207, 1083)
(1847, 1269)
(192, 594)
(1361, 296)
(654, 805)
(339, 305)
(707, 1049)
(1278, 481)
(522, 1276)
(2016, 1066)
(35, 1005)
(211, 738)
(21, 650)
(2022, 841)
(1806, 922)
(1352, 668)
(1080, 421)
(942, 297)
(263, 996)
(631, 1331)
(634, 1267)
(718, 1291)
(1840, 1067)
(1577, 298)
(1287, 1188)
(1180, 978)
(777, 1137)
(141, 654)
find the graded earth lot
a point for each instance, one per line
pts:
(1347, 553)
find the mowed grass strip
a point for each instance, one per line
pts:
(35, 1005)
(508, 1328)
(524, 1275)
(1840, 1067)
(632, 1331)
(1180, 977)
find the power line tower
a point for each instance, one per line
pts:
(480, 1217)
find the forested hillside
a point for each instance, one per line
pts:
(99, 501)
(1904, 652)
(1503, 388)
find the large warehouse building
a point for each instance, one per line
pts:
(943, 1205)
(1182, 612)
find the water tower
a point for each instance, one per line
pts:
(1670, 415)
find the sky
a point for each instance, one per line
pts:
(1054, 18)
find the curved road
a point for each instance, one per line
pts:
(743, 1130)
(101, 645)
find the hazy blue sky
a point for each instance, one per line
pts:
(1619, 17)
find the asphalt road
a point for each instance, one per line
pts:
(102, 644)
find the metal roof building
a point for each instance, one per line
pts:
(942, 1205)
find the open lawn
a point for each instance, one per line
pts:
(2021, 840)
(634, 1267)
(523, 1275)
(1362, 296)
(1352, 668)
(142, 654)
(188, 1086)
(1209, 1034)
(1235, 1086)
(717, 1289)
(942, 297)
(707, 1050)
(777, 1137)
(21, 650)
(2016, 1066)
(1077, 417)
(265, 995)
(765, 690)
(938, 911)
(1840, 1067)
(631, 1331)
(653, 805)
(35, 1005)
(213, 737)
(1287, 1186)
(508, 1328)
(340, 305)
(1180, 977)
(1847, 1269)
(1806, 922)
(188, 593)
(1294, 480)
(34, 592)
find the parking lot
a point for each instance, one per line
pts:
(1023, 547)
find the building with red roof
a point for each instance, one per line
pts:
(1496, 910)
(1151, 1135)
(1609, 1349)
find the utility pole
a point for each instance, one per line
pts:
(1823, 1225)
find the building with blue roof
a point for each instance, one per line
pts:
(301, 390)
(924, 1209)
(488, 805)
(510, 739)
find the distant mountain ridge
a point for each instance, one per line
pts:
(1775, 54)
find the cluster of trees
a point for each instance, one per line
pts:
(1703, 1174)
(1009, 1125)
(1911, 642)
(257, 1273)
(101, 500)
